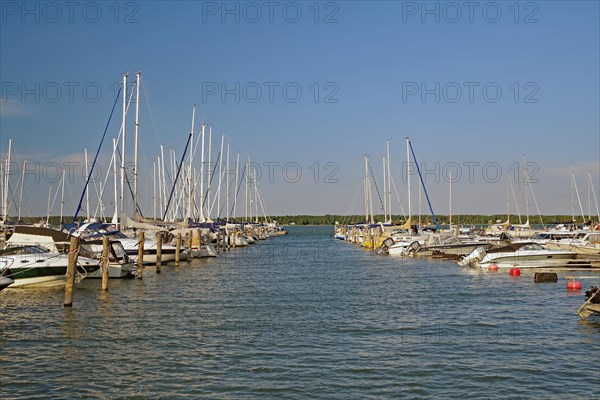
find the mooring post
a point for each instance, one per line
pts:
(140, 263)
(105, 263)
(159, 239)
(71, 270)
(177, 249)
(189, 245)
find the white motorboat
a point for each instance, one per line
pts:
(35, 266)
(120, 266)
(523, 255)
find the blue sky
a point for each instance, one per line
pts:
(361, 68)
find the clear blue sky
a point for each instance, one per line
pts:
(373, 59)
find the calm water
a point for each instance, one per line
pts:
(303, 316)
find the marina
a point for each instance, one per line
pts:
(299, 200)
(302, 316)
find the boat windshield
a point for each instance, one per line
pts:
(10, 251)
(106, 230)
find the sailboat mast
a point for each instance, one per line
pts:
(154, 190)
(247, 183)
(237, 183)
(62, 196)
(190, 180)
(227, 184)
(384, 191)
(21, 194)
(48, 207)
(220, 177)
(366, 189)
(408, 174)
(116, 214)
(526, 177)
(208, 174)
(123, 129)
(389, 183)
(87, 192)
(450, 198)
(572, 197)
(6, 181)
(135, 140)
(202, 175)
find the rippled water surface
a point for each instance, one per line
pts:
(303, 316)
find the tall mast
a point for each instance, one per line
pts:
(87, 192)
(408, 173)
(572, 196)
(162, 183)
(6, 181)
(154, 190)
(21, 194)
(208, 173)
(366, 189)
(389, 183)
(202, 176)
(190, 180)
(247, 183)
(507, 200)
(227, 184)
(526, 188)
(237, 182)
(450, 198)
(62, 196)
(48, 207)
(255, 197)
(135, 144)
(123, 128)
(116, 214)
(384, 192)
(220, 177)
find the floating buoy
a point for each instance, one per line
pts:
(515, 272)
(574, 285)
(493, 267)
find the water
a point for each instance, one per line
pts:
(303, 316)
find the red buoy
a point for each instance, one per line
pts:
(515, 272)
(493, 267)
(574, 285)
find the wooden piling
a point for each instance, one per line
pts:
(199, 232)
(71, 270)
(159, 240)
(190, 237)
(177, 249)
(140, 261)
(105, 263)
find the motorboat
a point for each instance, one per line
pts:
(524, 255)
(36, 266)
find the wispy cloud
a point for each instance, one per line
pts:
(13, 108)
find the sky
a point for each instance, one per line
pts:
(306, 89)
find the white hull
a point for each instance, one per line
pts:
(116, 271)
(50, 281)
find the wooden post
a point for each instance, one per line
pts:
(177, 249)
(140, 267)
(71, 270)
(105, 263)
(199, 231)
(159, 239)
(190, 238)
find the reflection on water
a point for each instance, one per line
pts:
(302, 316)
